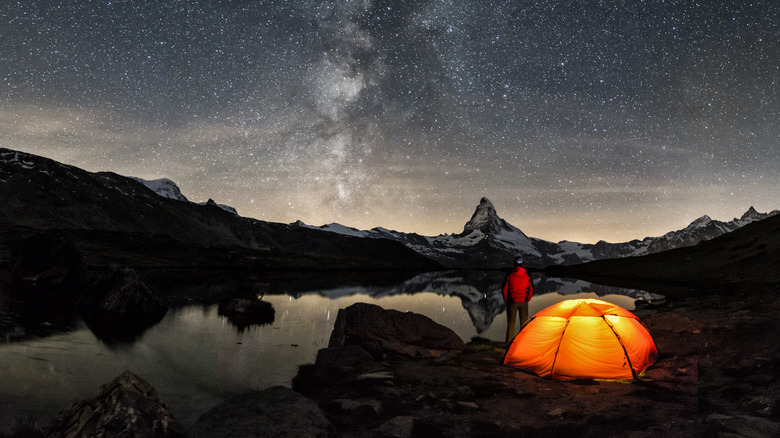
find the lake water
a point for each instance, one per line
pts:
(195, 358)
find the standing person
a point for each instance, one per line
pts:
(518, 291)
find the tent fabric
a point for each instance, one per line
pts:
(583, 339)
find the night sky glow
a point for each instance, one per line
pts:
(579, 120)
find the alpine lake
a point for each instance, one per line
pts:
(196, 358)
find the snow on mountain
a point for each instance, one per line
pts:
(25, 162)
(337, 228)
(700, 222)
(163, 187)
(485, 219)
(751, 216)
(168, 189)
(572, 248)
(485, 223)
(9, 156)
(227, 208)
(703, 228)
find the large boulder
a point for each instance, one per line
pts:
(126, 407)
(120, 306)
(276, 411)
(384, 332)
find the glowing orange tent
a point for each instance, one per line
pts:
(583, 339)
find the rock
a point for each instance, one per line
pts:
(467, 404)
(243, 312)
(557, 412)
(124, 294)
(276, 411)
(378, 375)
(762, 406)
(398, 427)
(363, 408)
(121, 306)
(340, 362)
(390, 332)
(740, 425)
(48, 267)
(126, 407)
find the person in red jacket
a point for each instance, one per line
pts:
(518, 290)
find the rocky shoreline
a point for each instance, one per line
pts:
(715, 376)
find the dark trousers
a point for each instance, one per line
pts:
(512, 311)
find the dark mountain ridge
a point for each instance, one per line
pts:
(122, 218)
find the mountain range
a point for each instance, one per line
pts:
(744, 261)
(154, 221)
(489, 240)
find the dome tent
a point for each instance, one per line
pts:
(583, 339)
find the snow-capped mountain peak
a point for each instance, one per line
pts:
(485, 223)
(486, 240)
(163, 187)
(168, 189)
(752, 215)
(484, 219)
(700, 222)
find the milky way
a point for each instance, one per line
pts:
(579, 120)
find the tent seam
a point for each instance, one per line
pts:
(563, 332)
(620, 341)
(555, 358)
(651, 336)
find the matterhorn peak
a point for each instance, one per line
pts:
(484, 219)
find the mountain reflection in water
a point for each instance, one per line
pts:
(480, 295)
(195, 358)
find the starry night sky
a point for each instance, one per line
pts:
(579, 120)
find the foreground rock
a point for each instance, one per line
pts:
(390, 332)
(709, 381)
(716, 377)
(339, 362)
(121, 306)
(126, 407)
(276, 411)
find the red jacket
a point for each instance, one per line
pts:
(518, 286)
